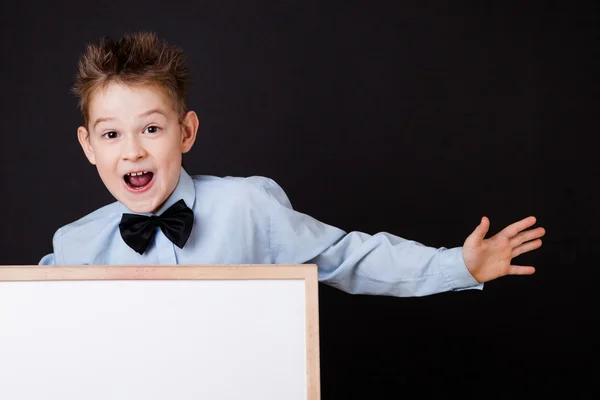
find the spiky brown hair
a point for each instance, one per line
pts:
(135, 58)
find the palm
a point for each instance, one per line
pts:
(491, 258)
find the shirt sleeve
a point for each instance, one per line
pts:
(51, 259)
(361, 263)
(48, 259)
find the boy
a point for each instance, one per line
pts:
(136, 128)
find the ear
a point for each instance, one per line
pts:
(84, 140)
(189, 128)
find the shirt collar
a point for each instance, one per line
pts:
(184, 190)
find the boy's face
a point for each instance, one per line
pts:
(135, 139)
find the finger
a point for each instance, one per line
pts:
(482, 229)
(518, 226)
(527, 236)
(520, 270)
(525, 247)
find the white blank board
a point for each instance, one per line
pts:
(154, 339)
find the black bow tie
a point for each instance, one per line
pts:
(176, 223)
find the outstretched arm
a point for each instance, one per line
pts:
(491, 258)
(383, 263)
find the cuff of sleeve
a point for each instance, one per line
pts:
(456, 272)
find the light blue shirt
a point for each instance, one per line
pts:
(249, 220)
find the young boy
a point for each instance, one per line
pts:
(135, 129)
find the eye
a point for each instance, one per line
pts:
(110, 135)
(152, 129)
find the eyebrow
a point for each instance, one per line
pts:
(144, 114)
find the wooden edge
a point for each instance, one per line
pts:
(158, 272)
(313, 370)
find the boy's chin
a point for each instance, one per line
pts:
(142, 207)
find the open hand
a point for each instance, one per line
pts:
(491, 258)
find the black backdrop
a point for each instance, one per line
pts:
(413, 117)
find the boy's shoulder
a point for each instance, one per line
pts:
(93, 222)
(234, 182)
(246, 188)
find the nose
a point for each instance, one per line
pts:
(133, 150)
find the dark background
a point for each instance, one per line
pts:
(411, 117)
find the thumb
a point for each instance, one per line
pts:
(482, 229)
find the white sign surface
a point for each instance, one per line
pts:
(153, 339)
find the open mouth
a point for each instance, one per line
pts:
(138, 181)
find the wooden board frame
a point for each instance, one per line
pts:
(306, 272)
